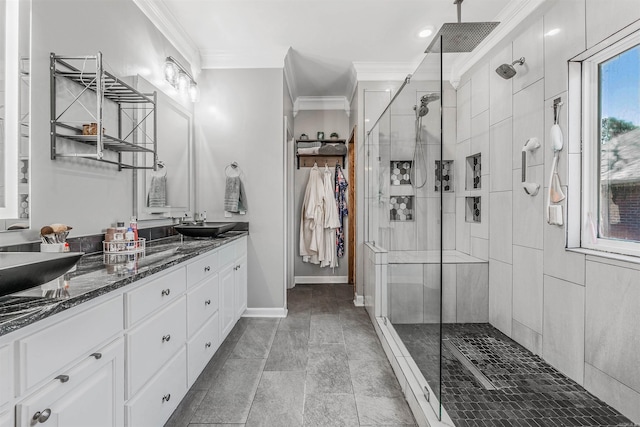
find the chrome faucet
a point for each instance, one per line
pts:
(200, 218)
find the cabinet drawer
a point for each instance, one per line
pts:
(44, 353)
(6, 373)
(203, 266)
(202, 302)
(157, 401)
(91, 394)
(148, 298)
(227, 254)
(202, 347)
(154, 342)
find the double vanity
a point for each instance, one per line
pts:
(126, 344)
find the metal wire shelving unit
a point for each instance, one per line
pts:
(139, 139)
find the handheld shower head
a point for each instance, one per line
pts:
(507, 71)
(423, 109)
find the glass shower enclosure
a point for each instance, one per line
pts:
(410, 208)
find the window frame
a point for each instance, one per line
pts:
(589, 233)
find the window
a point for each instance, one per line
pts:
(611, 148)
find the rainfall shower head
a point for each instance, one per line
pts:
(507, 71)
(460, 36)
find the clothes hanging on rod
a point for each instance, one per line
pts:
(319, 220)
(331, 221)
(341, 185)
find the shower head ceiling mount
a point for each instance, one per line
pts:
(460, 36)
(507, 71)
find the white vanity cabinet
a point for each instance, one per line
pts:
(90, 394)
(233, 285)
(126, 358)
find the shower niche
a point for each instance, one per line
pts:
(472, 211)
(401, 172)
(474, 172)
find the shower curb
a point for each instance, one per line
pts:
(406, 371)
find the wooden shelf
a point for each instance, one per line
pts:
(308, 160)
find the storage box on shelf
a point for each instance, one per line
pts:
(89, 76)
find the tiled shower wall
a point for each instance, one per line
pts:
(396, 142)
(578, 312)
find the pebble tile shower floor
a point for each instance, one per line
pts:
(322, 365)
(529, 391)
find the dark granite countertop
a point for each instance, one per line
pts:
(94, 277)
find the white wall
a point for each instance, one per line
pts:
(310, 122)
(85, 194)
(575, 311)
(240, 118)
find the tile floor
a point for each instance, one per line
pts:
(322, 365)
(530, 392)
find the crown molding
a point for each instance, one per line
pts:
(160, 16)
(263, 58)
(510, 18)
(303, 103)
(289, 77)
(383, 71)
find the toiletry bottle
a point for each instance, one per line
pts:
(119, 236)
(128, 236)
(133, 224)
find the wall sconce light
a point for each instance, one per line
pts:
(179, 78)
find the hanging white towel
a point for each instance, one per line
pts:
(235, 199)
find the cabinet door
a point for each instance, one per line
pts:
(6, 373)
(152, 343)
(240, 286)
(202, 302)
(93, 395)
(227, 300)
(6, 419)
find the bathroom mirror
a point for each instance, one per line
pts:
(14, 114)
(167, 191)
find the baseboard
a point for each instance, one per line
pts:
(265, 312)
(358, 301)
(306, 280)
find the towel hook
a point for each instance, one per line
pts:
(556, 106)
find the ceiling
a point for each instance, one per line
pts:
(324, 41)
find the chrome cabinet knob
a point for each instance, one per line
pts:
(207, 345)
(42, 417)
(166, 292)
(207, 268)
(96, 355)
(207, 302)
(166, 397)
(166, 338)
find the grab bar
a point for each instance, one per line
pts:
(531, 188)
